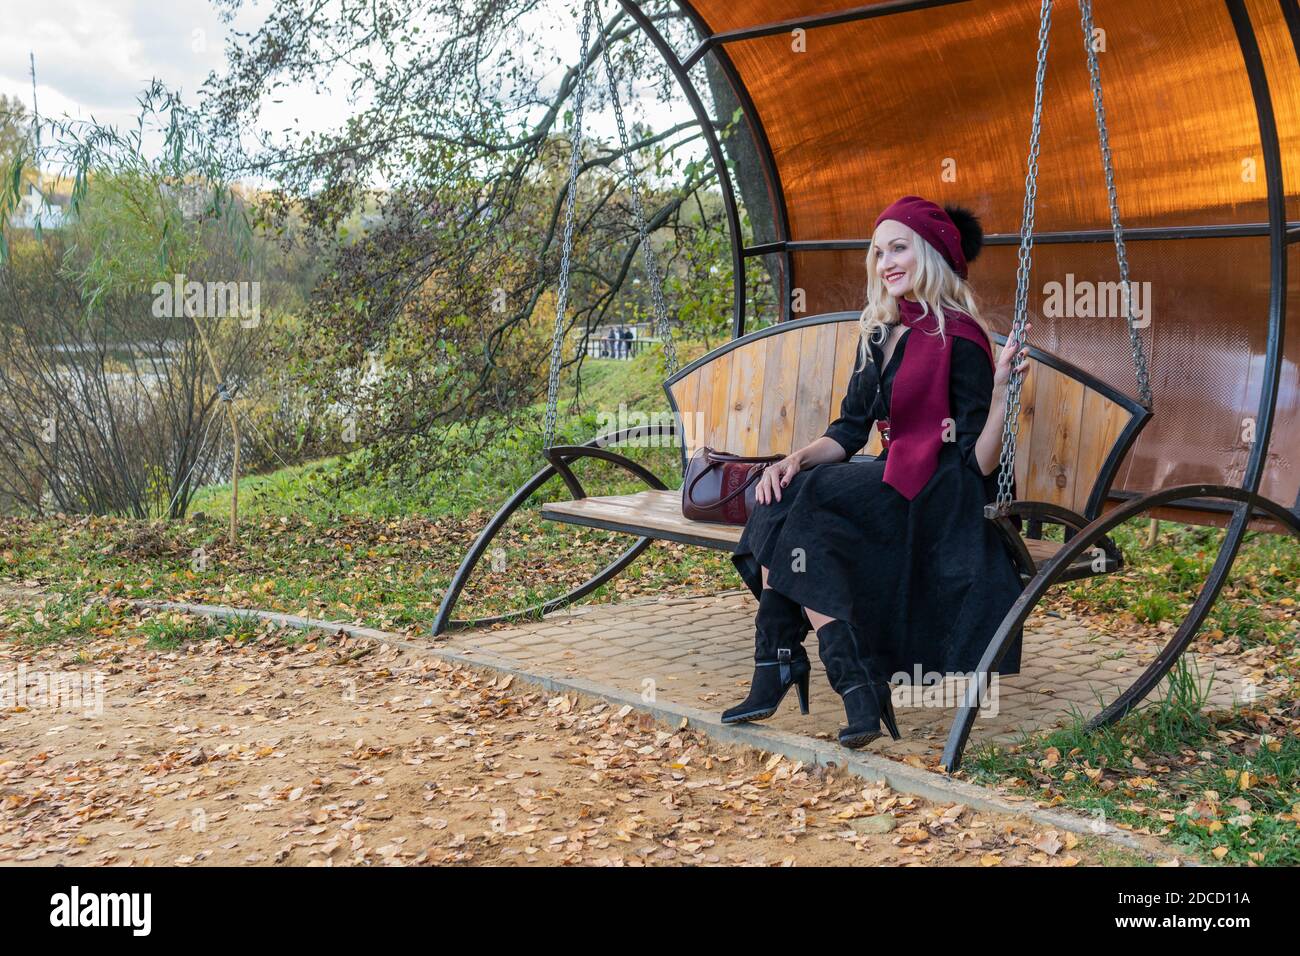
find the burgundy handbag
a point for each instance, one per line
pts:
(719, 486)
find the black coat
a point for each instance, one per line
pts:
(923, 582)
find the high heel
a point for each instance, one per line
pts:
(772, 680)
(884, 694)
(802, 684)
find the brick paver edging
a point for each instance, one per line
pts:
(897, 775)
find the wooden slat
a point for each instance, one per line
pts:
(1053, 449)
(1100, 426)
(1025, 428)
(651, 512)
(780, 394)
(745, 398)
(1041, 550)
(690, 421)
(846, 343)
(717, 387)
(816, 383)
(849, 357)
(1069, 434)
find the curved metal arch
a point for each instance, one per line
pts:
(715, 150)
(1272, 152)
(1247, 494)
(1051, 574)
(1037, 512)
(763, 146)
(557, 464)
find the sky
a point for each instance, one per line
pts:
(93, 57)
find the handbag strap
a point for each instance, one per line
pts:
(713, 456)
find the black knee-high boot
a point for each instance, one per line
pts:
(780, 661)
(789, 625)
(866, 701)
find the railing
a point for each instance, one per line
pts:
(619, 348)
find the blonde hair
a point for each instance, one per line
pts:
(936, 286)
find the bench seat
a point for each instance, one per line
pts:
(658, 515)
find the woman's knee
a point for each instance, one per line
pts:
(818, 619)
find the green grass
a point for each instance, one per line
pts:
(168, 631)
(1215, 784)
(1257, 606)
(66, 617)
(612, 390)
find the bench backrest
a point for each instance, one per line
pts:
(775, 390)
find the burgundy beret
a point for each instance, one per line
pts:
(932, 224)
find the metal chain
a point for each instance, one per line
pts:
(561, 299)
(647, 254)
(1121, 253)
(1007, 457)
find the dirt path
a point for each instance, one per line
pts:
(272, 749)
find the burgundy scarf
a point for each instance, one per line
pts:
(919, 399)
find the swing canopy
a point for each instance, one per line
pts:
(844, 107)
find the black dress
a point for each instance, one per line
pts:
(923, 582)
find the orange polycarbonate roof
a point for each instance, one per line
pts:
(936, 99)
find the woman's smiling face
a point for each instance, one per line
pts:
(895, 258)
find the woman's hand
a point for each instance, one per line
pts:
(775, 477)
(1002, 371)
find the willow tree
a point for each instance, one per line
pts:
(140, 223)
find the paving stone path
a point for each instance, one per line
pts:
(698, 651)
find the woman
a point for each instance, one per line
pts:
(891, 561)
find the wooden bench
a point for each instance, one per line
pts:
(777, 389)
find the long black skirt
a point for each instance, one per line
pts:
(924, 583)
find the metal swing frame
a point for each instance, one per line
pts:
(1244, 503)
